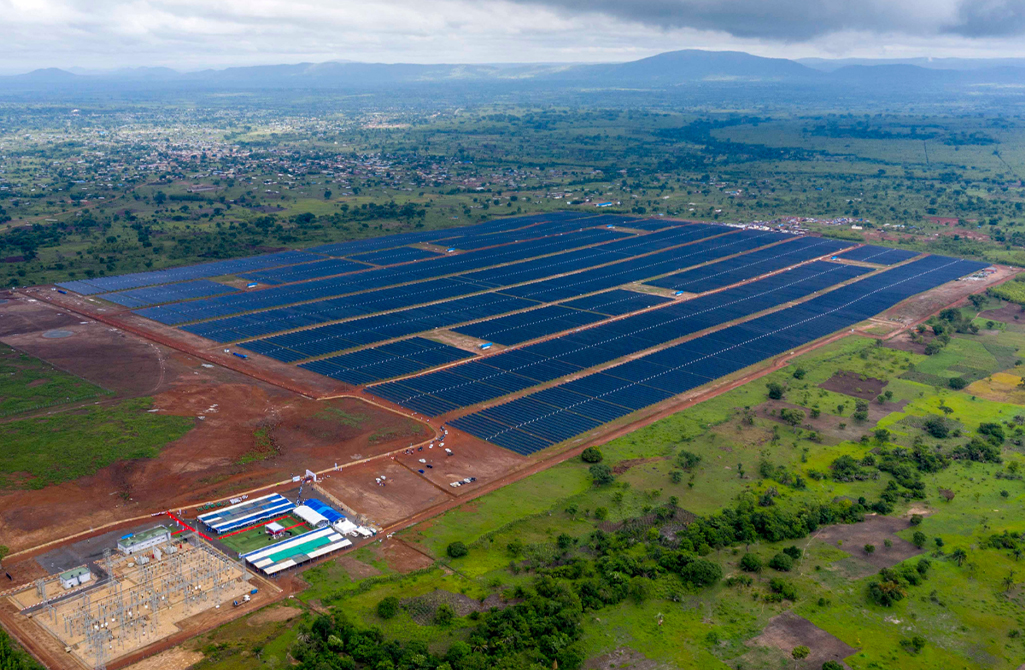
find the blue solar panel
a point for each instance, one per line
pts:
(205, 270)
(393, 256)
(553, 415)
(879, 255)
(304, 272)
(617, 302)
(387, 361)
(154, 295)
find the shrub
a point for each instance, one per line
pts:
(800, 652)
(781, 562)
(784, 588)
(388, 607)
(601, 474)
(957, 383)
(775, 390)
(687, 459)
(702, 572)
(831, 665)
(793, 552)
(919, 539)
(457, 550)
(750, 563)
(799, 373)
(937, 427)
(591, 455)
(444, 614)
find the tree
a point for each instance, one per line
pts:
(800, 652)
(750, 563)
(781, 562)
(794, 417)
(457, 550)
(388, 607)
(444, 614)
(701, 572)
(957, 383)
(959, 556)
(775, 390)
(919, 539)
(799, 373)
(870, 548)
(831, 665)
(591, 455)
(601, 474)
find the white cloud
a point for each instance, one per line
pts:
(192, 34)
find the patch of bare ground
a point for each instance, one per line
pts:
(423, 608)
(923, 306)
(623, 466)
(875, 531)
(903, 342)
(273, 615)
(853, 384)
(464, 342)
(1008, 313)
(356, 570)
(828, 425)
(782, 634)
(625, 657)
(178, 658)
(401, 557)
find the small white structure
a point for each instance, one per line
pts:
(275, 529)
(75, 577)
(147, 539)
(311, 516)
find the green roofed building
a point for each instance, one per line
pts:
(147, 539)
(75, 577)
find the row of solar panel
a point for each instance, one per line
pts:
(314, 342)
(478, 240)
(154, 295)
(395, 256)
(645, 267)
(387, 361)
(271, 321)
(333, 309)
(879, 255)
(201, 271)
(291, 347)
(494, 376)
(542, 419)
(524, 326)
(319, 289)
(305, 271)
(254, 263)
(391, 241)
(749, 266)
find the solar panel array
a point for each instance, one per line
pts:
(154, 295)
(321, 289)
(539, 420)
(304, 271)
(749, 266)
(394, 256)
(436, 393)
(390, 360)
(617, 302)
(879, 255)
(202, 271)
(324, 340)
(516, 328)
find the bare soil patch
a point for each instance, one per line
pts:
(788, 630)
(401, 557)
(422, 608)
(903, 342)
(1008, 313)
(826, 424)
(624, 657)
(356, 570)
(402, 495)
(470, 457)
(623, 466)
(273, 615)
(178, 658)
(853, 384)
(874, 530)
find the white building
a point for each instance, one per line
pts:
(147, 539)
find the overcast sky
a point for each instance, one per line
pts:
(193, 34)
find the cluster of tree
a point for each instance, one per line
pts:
(13, 658)
(893, 583)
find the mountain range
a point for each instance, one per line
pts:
(667, 71)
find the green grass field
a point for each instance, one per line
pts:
(27, 383)
(48, 450)
(257, 538)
